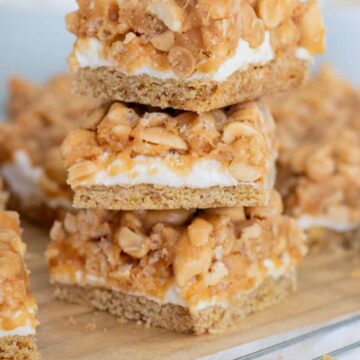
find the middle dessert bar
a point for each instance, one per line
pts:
(134, 157)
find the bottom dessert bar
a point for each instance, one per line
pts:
(17, 347)
(17, 305)
(186, 271)
(176, 317)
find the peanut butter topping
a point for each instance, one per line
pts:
(319, 134)
(187, 36)
(39, 119)
(17, 305)
(207, 254)
(241, 138)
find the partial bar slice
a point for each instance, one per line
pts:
(3, 195)
(138, 158)
(319, 164)
(39, 118)
(193, 55)
(17, 305)
(186, 271)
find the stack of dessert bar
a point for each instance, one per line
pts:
(181, 227)
(17, 305)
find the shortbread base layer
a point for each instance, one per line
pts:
(325, 239)
(151, 197)
(285, 72)
(175, 317)
(18, 348)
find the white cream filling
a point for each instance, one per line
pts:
(173, 295)
(24, 180)
(307, 222)
(25, 330)
(88, 54)
(154, 170)
(303, 54)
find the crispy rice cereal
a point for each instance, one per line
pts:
(17, 305)
(192, 36)
(319, 134)
(208, 257)
(39, 119)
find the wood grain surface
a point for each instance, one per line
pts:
(329, 287)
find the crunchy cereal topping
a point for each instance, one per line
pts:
(39, 120)
(240, 137)
(188, 36)
(319, 134)
(15, 296)
(149, 251)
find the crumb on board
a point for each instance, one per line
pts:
(121, 320)
(90, 325)
(355, 274)
(71, 321)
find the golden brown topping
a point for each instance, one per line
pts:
(79, 172)
(311, 27)
(240, 137)
(182, 61)
(114, 130)
(192, 36)
(252, 28)
(318, 129)
(191, 260)
(79, 144)
(133, 244)
(199, 232)
(164, 41)
(275, 207)
(274, 12)
(169, 12)
(14, 291)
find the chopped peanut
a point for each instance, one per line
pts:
(241, 138)
(199, 232)
(187, 37)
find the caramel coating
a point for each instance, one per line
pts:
(191, 36)
(241, 138)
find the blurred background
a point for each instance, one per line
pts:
(35, 43)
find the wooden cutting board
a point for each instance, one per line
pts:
(329, 287)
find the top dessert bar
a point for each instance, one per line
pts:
(17, 304)
(319, 162)
(194, 55)
(134, 157)
(39, 117)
